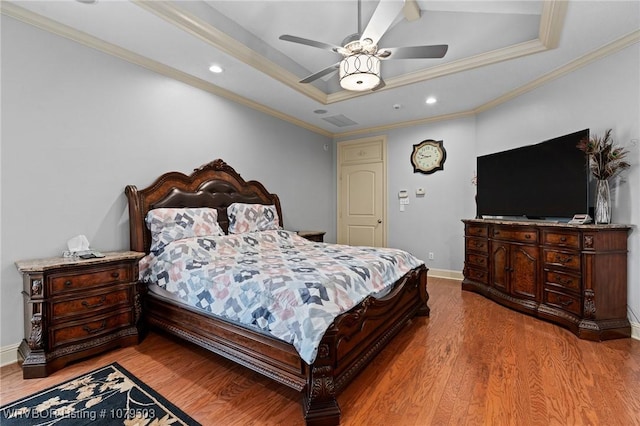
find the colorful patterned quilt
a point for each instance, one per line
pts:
(275, 280)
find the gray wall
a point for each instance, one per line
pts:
(431, 223)
(79, 125)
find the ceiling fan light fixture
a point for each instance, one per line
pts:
(360, 72)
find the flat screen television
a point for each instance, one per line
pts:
(548, 180)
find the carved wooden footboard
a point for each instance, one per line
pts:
(351, 342)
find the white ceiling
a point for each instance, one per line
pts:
(497, 49)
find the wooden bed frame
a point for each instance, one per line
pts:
(351, 342)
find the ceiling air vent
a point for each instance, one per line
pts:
(339, 120)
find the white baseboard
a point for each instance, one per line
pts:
(635, 330)
(444, 273)
(9, 354)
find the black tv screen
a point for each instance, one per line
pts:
(548, 180)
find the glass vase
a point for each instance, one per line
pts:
(602, 211)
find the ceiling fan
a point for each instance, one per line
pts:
(360, 65)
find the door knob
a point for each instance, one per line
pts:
(379, 220)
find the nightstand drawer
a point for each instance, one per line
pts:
(91, 304)
(316, 236)
(97, 326)
(90, 278)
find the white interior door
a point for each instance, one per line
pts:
(362, 192)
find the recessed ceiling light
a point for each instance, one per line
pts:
(431, 100)
(320, 111)
(216, 69)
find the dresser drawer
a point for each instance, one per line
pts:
(87, 278)
(477, 260)
(478, 275)
(75, 331)
(477, 230)
(567, 302)
(477, 244)
(91, 304)
(563, 280)
(563, 259)
(515, 235)
(561, 239)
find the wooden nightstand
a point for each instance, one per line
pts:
(75, 308)
(317, 236)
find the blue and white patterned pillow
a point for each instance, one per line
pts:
(170, 224)
(252, 218)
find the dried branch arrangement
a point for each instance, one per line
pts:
(606, 160)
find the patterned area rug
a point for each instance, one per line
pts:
(107, 396)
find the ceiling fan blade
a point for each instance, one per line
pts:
(312, 43)
(328, 70)
(382, 18)
(413, 52)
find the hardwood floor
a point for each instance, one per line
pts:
(472, 362)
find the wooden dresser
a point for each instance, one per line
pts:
(75, 308)
(572, 275)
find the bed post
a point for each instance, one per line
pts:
(319, 402)
(424, 309)
(136, 237)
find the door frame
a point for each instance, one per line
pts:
(382, 140)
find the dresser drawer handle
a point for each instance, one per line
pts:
(496, 232)
(95, 330)
(478, 245)
(563, 239)
(561, 259)
(67, 283)
(565, 281)
(566, 303)
(527, 236)
(95, 305)
(115, 274)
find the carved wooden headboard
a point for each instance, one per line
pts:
(215, 185)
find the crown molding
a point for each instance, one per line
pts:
(387, 127)
(551, 22)
(211, 35)
(608, 49)
(39, 21)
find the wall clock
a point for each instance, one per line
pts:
(428, 156)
